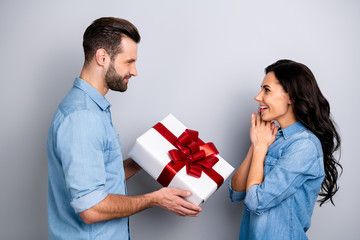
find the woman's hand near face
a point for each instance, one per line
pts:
(262, 133)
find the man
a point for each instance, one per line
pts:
(87, 190)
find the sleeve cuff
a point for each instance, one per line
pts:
(88, 201)
(235, 196)
(251, 199)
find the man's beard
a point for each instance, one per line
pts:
(115, 81)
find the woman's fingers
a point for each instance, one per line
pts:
(275, 131)
(258, 117)
(253, 119)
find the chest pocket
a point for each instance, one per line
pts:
(113, 156)
(269, 164)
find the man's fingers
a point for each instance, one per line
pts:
(187, 208)
(184, 211)
(190, 206)
(184, 206)
(181, 193)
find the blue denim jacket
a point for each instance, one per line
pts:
(85, 164)
(280, 208)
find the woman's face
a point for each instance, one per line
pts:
(275, 103)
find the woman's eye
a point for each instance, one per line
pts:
(267, 90)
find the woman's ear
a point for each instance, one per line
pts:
(290, 101)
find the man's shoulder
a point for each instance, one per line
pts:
(76, 100)
(76, 106)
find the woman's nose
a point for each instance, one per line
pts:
(258, 97)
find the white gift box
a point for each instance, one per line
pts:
(151, 152)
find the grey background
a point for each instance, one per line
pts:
(212, 52)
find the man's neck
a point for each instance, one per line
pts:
(95, 79)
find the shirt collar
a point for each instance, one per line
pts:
(99, 99)
(291, 130)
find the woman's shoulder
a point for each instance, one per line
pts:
(308, 139)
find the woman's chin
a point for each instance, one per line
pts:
(266, 119)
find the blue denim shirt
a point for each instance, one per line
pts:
(85, 164)
(281, 206)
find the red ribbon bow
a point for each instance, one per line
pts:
(194, 153)
(190, 151)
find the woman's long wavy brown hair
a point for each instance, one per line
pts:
(313, 110)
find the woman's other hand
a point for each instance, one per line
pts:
(262, 133)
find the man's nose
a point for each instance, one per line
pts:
(133, 71)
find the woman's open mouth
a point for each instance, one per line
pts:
(263, 108)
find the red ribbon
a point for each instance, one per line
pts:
(191, 152)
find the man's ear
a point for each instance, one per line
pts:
(101, 56)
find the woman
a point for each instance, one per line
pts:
(286, 168)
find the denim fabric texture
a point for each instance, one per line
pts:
(85, 164)
(280, 208)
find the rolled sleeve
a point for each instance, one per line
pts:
(235, 196)
(251, 200)
(88, 201)
(80, 144)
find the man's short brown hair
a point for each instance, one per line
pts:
(106, 33)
